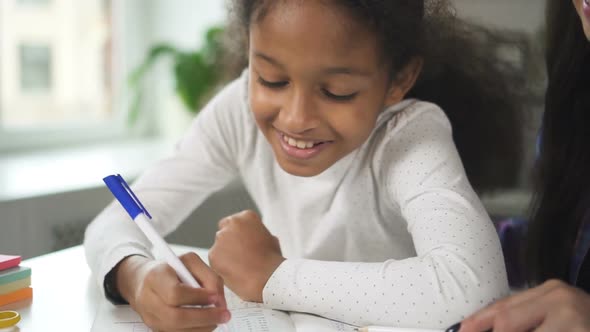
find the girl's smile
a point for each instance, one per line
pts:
(301, 148)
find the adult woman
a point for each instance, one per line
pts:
(559, 234)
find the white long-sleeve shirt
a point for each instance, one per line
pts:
(392, 234)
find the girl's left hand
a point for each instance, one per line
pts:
(245, 254)
(553, 306)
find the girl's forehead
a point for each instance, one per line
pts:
(314, 25)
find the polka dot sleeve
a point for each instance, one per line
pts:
(458, 266)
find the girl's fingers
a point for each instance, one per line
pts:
(224, 222)
(199, 329)
(182, 295)
(205, 276)
(163, 317)
(191, 318)
(173, 292)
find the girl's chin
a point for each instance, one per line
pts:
(298, 170)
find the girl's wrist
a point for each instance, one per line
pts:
(274, 265)
(126, 275)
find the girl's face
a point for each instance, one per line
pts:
(317, 83)
(583, 9)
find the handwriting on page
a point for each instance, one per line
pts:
(246, 317)
(234, 302)
(250, 317)
(140, 327)
(259, 320)
(253, 317)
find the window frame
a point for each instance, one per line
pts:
(131, 39)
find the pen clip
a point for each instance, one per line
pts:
(125, 196)
(128, 189)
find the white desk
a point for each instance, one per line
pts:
(65, 297)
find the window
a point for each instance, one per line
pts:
(35, 68)
(61, 68)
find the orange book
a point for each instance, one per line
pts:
(18, 295)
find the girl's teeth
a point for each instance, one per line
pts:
(298, 144)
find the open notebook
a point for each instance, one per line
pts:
(246, 317)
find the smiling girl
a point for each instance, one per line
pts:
(367, 214)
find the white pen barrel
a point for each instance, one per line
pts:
(161, 249)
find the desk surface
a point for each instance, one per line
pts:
(65, 296)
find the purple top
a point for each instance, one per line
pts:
(581, 248)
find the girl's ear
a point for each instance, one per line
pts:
(404, 81)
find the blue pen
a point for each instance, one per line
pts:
(141, 216)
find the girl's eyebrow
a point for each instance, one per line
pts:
(328, 71)
(269, 59)
(346, 71)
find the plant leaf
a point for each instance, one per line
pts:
(135, 107)
(194, 79)
(155, 52)
(137, 75)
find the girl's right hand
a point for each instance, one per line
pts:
(154, 291)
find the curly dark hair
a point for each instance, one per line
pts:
(463, 73)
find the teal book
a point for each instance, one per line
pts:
(14, 274)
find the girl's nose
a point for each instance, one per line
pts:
(299, 114)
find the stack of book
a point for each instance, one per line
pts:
(15, 280)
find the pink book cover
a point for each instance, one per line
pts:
(8, 261)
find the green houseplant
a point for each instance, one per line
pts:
(196, 73)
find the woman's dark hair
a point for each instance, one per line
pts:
(563, 168)
(463, 73)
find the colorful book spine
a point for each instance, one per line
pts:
(21, 294)
(15, 280)
(15, 285)
(14, 274)
(8, 261)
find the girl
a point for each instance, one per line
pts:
(559, 234)
(367, 214)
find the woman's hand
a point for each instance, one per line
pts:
(553, 306)
(245, 254)
(153, 290)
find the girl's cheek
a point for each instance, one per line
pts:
(264, 104)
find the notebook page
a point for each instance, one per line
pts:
(246, 317)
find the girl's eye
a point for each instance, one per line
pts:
(272, 85)
(339, 97)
